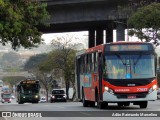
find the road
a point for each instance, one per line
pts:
(66, 111)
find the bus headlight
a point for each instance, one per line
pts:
(106, 88)
(154, 87)
(109, 90)
(24, 97)
(36, 96)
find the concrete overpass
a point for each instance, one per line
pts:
(94, 16)
(3, 74)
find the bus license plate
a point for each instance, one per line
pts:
(131, 97)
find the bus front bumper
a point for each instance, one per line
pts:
(107, 97)
(27, 98)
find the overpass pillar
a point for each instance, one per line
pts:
(120, 32)
(109, 34)
(91, 39)
(99, 36)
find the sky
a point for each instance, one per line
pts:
(79, 37)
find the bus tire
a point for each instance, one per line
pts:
(34, 102)
(92, 104)
(85, 102)
(143, 104)
(102, 105)
(20, 102)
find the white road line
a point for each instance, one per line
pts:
(85, 113)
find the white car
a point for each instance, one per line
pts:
(43, 100)
(13, 97)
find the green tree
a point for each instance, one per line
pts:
(37, 68)
(34, 61)
(19, 20)
(146, 23)
(13, 80)
(62, 60)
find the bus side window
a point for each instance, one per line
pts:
(17, 88)
(89, 63)
(81, 65)
(88, 67)
(92, 62)
(96, 61)
(85, 64)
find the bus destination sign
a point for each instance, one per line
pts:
(29, 81)
(127, 47)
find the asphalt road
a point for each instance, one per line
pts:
(74, 110)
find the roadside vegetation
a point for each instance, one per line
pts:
(56, 66)
(19, 21)
(145, 23)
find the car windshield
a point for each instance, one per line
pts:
(129, 66)
(58, 92)
(6, 95)
(42, 98)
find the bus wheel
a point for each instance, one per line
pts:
(20, 102)
(85, 102)
(34, 102)
(92, 104)
(143, 104)
(102, 105)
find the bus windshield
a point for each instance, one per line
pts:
(29, 88)
(138, 66)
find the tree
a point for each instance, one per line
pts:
(13, 80)
(19, 20)
(146, 23)
(62, 59)
(11, 61)
(59, 63)
(140, 3)
(36, 65)
(34, 61)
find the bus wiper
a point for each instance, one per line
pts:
(135, 62)
(120, 59)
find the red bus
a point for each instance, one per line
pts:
(120, 72)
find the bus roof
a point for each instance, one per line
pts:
(100, 48)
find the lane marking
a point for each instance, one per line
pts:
(85, 113)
